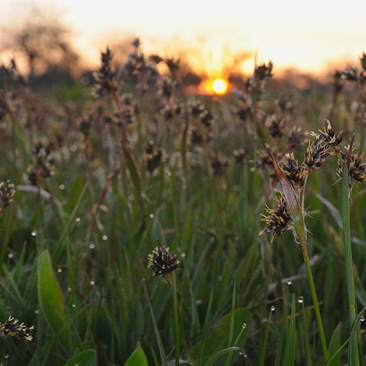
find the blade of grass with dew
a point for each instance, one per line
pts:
(220, 354)
(265, 343)
(70, 223)
(232, 323)
(156, 329)
(349, 263)
(51, 301)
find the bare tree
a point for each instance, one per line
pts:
(42, 41)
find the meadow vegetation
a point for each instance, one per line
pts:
(142, 225)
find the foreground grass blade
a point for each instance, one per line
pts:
(85, 358)
(51, 301)
(349, 265)
(204, 331)
(137, 358)
(156, 329)
(176, 321)
(291, 341)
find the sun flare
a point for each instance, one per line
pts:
(219, 86)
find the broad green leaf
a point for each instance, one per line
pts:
(85, 358)
(51, 301)
(137, 357)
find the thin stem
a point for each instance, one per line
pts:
(316, 308)
(349, 265)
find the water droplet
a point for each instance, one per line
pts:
(237, 188)
(151, 216)
(362, 318)
(245, 355)
(105, 237)
(300, 299)
(59, 270)
(61, 187)
(6, 356)
(10, 255)
(244, 325)
(78, 219)
(91, 246)
(69, 289)
(273, 308)
(183, 255)
(289, 283)
(73, 305)
(92, 283)
(36, 311)
(34, 233)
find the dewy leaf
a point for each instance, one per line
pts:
(51, 301)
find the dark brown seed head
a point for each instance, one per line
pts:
(7, 191)
(239, 155)
(12, 328)
(329, 136)
(315, 156)
(219, 165)
(293, 171)
(162, 262)
(275, 127)
(278, 220)
(295, 138)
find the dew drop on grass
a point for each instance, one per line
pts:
(78, 219)
(91, 246)
(61, 187)
(362, 318)
(300, 299)
(92, 283)
(151, 216)
(73, 305)
(6, 356)
(59, 270)
(273, 308)
(34, 233)
(10, 255)
(105, 237)
(289, 283)
(36, 311)
(69, 289)
(244, 325)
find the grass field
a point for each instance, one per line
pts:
(104, 176)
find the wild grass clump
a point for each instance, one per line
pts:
(89, 188)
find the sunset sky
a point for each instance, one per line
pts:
(307, 35)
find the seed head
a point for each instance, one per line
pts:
(293, 171)
(356, 169)
(161, 261)
(315, 156)
(7, 192)
(295, 138)
(278, 220)
(12, 328)
(329, 136)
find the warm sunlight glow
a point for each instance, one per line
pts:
(219, 86)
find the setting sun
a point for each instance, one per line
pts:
(219, 86)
